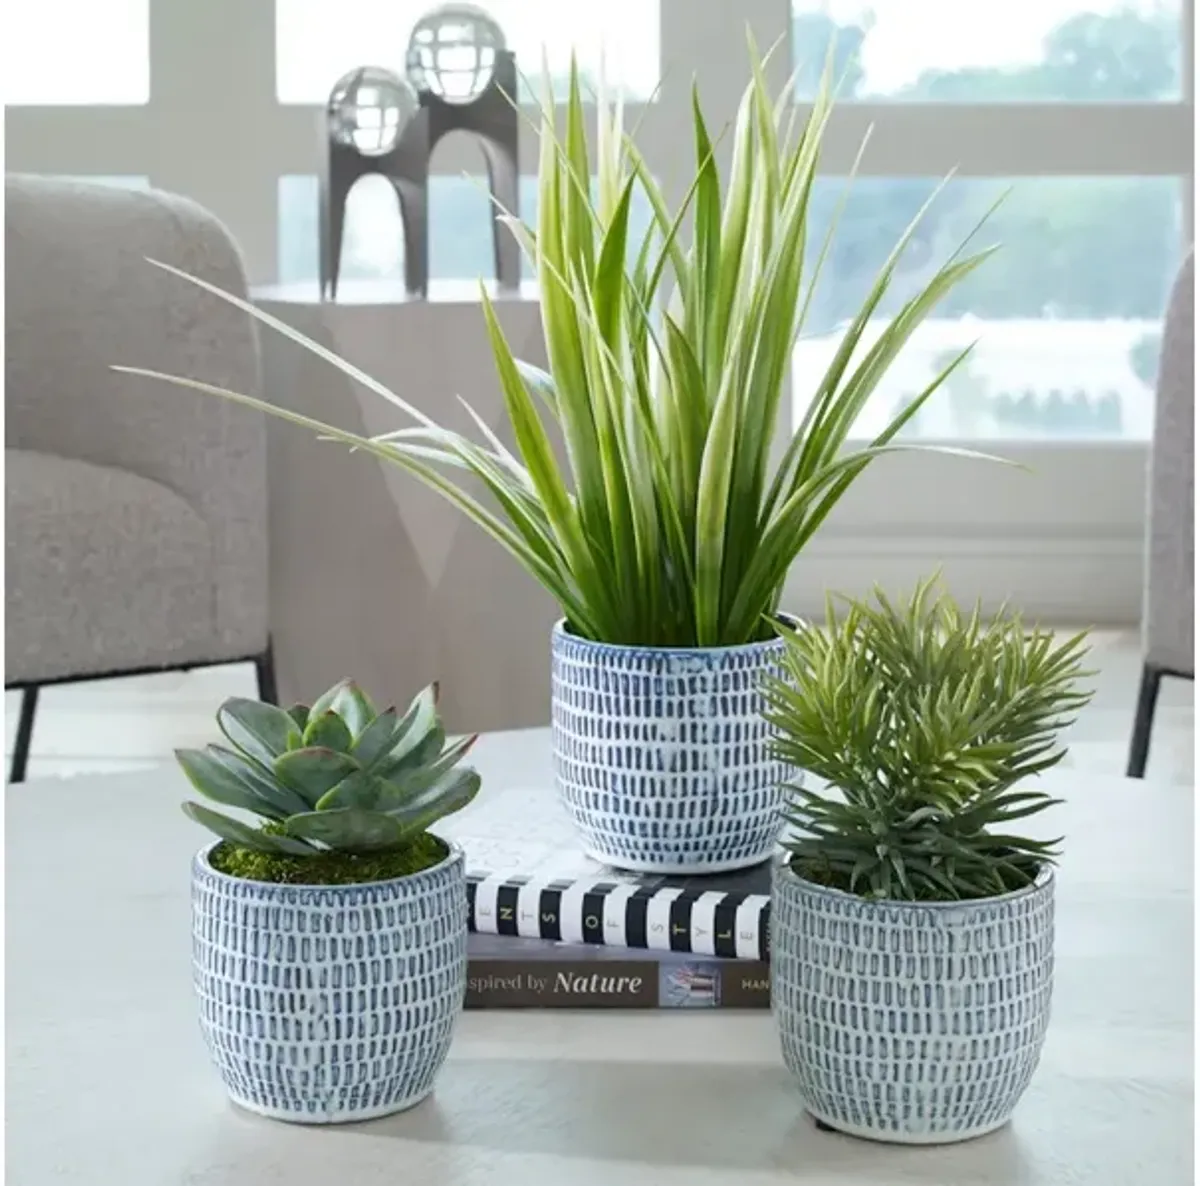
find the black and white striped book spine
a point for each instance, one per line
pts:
(722, 923)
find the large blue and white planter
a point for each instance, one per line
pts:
(329, 1004)
(661, 755)
(915, 1023)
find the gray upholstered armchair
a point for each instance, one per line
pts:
(135, 512)
(1168, 615)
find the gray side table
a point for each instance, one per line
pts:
(373, 575)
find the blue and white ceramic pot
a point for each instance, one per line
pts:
(661, 755)
(915, 1023)
(329, 1004)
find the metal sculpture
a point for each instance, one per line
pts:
(369, 111)
(461, 78)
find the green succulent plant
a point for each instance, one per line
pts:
(339, 777)
(927, 724)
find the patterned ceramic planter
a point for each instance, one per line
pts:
(660, 754)
(918, 1023)
(329, 1004)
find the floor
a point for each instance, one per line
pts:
(134, 723)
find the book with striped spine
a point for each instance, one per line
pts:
(726, 916)
(528, 878)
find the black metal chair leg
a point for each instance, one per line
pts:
(264, 670)
(1143, 721)
(20, 759)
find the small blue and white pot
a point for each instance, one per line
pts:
(329, 1004)
(919, 1023)
(661, 754)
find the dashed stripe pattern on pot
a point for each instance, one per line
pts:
(329, 1004)
(661, 756)
(912, 1023)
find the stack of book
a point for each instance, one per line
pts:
(551, 927)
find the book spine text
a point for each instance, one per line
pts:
(705, 922)
(617, 984)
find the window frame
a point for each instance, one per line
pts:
(1067, 542)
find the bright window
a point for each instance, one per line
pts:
(1066, 315)
(78, 52)
(953, 51)
(319, 40)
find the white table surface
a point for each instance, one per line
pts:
(108, 1082)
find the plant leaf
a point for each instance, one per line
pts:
(244, 836)
(313, 771)
(415, 735)
(377, 739)
(451, 793)
(261, 731)
(236, 781)
(349, 830)
(324, 703)
(213, 780)
(361, 790)
(410, 781)
(354, 706)
(413, 753)
(327, 730)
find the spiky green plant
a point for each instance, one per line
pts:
(671, 524)
(338, 777)
(928, 725)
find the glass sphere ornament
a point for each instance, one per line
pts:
(369, 109)
(452, 51)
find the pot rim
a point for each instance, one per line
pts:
(560, 631)
(1045, 881)
(455, 854)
